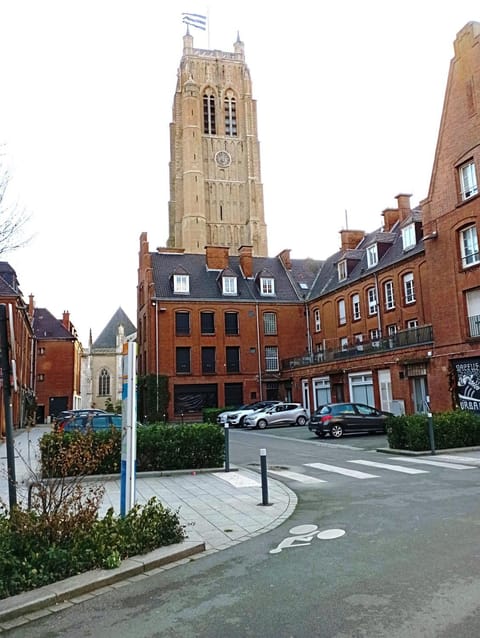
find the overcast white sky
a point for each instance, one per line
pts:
(86, 102)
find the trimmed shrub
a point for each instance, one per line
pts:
(455, 429)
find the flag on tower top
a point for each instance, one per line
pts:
(195, 20)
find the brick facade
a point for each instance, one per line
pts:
(392, 318)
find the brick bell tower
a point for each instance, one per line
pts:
(216, 193)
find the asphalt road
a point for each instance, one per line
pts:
(370, 552)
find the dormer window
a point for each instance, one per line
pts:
(267, 286)
(408, 237)
(181, 284)
(372, 256)
(468, 180)
(342, 270)
(229, 285)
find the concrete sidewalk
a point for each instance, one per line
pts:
(219, 509)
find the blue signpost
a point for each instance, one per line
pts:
(129, 429)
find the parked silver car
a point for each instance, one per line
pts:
(279, 414)
(235, 418)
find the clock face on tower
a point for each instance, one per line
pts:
(223, 159)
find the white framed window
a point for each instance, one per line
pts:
(181, 284)
(317, 320)
(372, 301)
(374, 337)
(344, 343)
(271, 358)
(409, 238)
(372, 256)
(342, 316)
(409, 288)
(229, 285)
(469, 246)
(473, 312)
(342, 270)
(321, 391)
(267, 286)
(468, 180)
(392, 329)
(389, 298)
(358, 341)
(270, 323)
(356, 306)
(412, 323)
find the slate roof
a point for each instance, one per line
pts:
(8, 274)
(46, 326)
(108, 337)
(206, 285)
(327, 280)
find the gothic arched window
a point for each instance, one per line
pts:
(230, 116)
(104, 383)
(209, 127)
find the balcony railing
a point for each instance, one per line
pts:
(421, 335)
(474, 324)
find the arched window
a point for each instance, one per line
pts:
(230, 116)
(209, 127)
(104, 383)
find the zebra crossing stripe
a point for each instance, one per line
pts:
(341, 470)
(296, 476)
(394, 468)
(237, 479)
(463, 459)
(455, 466)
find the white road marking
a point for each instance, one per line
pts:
(296, 476)
(341, 470)
(455, 466)
(462, 459)
(237, 479)
(394, 468)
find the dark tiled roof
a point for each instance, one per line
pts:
(327, 280)
(108, 337)
(204, 283)
(46, 326)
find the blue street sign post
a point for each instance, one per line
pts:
(129, 429)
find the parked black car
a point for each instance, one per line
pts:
(337, 419)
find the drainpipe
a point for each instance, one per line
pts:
(259, 354)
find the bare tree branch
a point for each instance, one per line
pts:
(13, 219)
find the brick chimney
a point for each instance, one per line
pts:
(31, 305)
(217, 257)
(404, 209)
(284, 257)
(390, 218)
(66, 319)
(246, 260)
(351, 238)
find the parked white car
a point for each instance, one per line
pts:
(279, 414)
(235, 418)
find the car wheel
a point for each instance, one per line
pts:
(262, 424)
(320, 434)
(336, 431)
(241, 423)
(301, 420)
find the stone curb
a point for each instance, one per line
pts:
(80, 584)
(387, 450)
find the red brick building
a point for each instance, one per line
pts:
(58, 360)
(391, 319)
(21, 350)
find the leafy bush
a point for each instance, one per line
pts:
(455, 429)
(32, 555)
(159, 447)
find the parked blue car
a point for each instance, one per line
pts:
(94, 422)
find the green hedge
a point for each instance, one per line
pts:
(455, 429)
(29, 558)
(159, 447)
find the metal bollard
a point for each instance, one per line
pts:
(431, 435)
(227, 445)
(263, 473)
